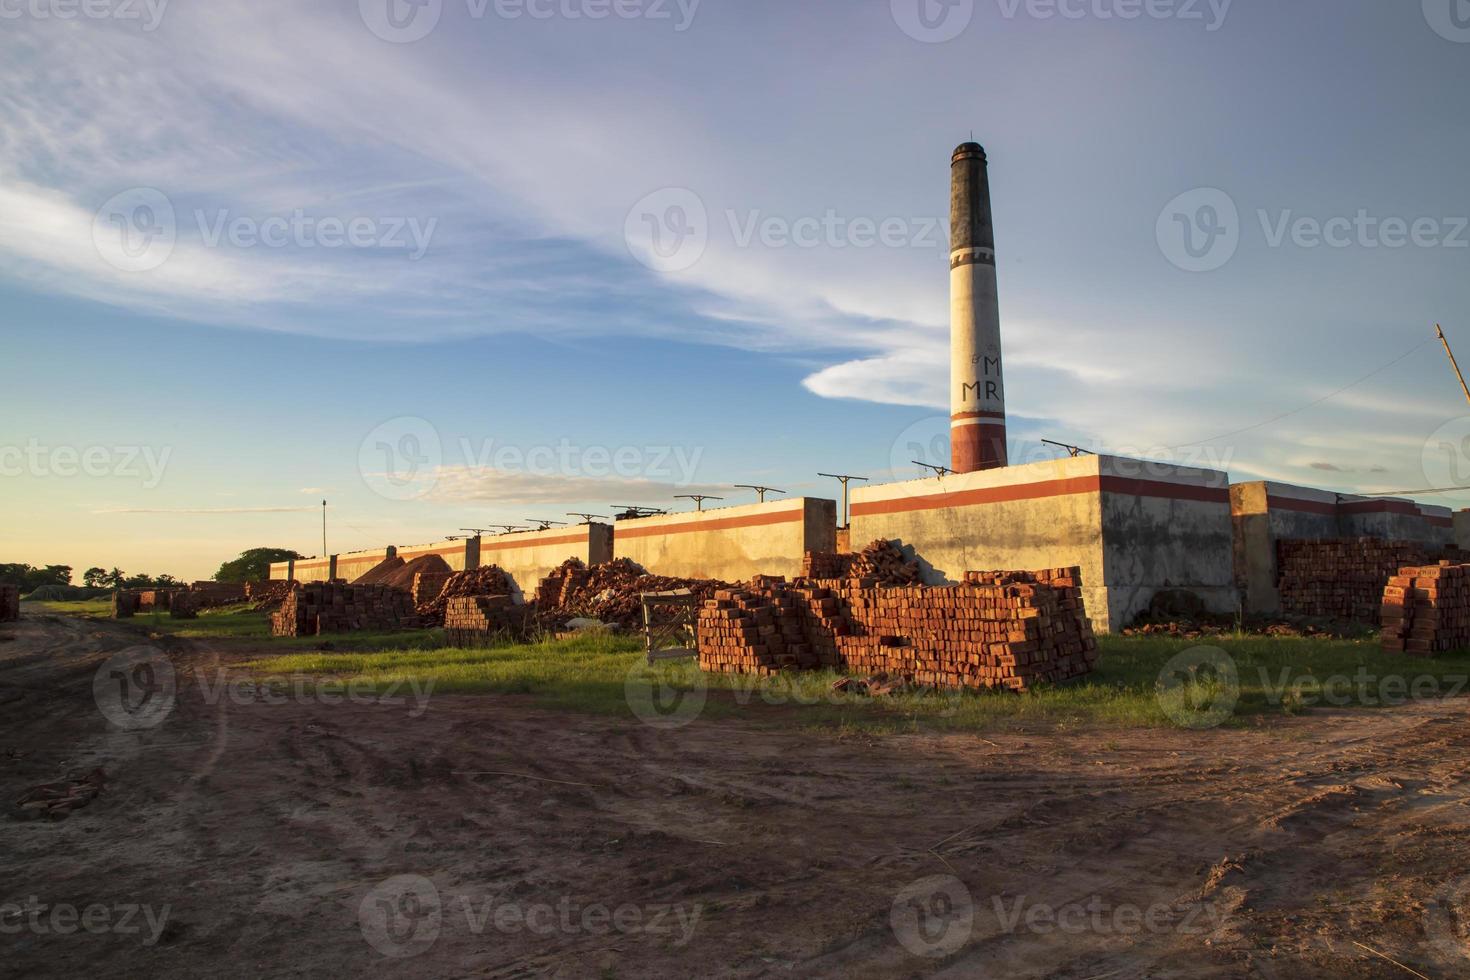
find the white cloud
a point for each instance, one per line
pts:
(483, 485)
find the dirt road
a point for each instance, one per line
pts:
(478, 836)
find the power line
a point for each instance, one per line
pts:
(1296, 411)
(1411, 493)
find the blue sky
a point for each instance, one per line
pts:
(501, 288)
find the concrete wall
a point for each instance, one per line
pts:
(1462, 529)
(356, 564)
(529, 556)
(1390, 518)
(1132, 527)
(309, 570)
(457, 554)
(1263, 513)
(731, 543)
(1440, 524)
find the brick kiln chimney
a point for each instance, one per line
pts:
(977, 426)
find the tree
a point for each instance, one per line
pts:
(115, 578)
(30, 578)
(254, 565)
(95, 578)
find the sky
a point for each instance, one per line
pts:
(455, 263)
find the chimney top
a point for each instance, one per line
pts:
(968, 151)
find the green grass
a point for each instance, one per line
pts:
(1276, 677)
(601, 674)
(88, 608)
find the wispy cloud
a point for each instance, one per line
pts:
(480, 485)
(204, 510)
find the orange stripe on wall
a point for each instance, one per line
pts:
(718, 524)
(543, 542)
(420, 553)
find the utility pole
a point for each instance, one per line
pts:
(760, 491)
(940, 471)
(1073, 451)
(324, 530)
(846, 479)
(1453, 363)
(698, 498)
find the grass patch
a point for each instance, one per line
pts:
(87, 608)
(1273, 677)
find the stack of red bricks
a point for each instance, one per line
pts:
(476, 621)
(1344, 578)
(486, 580)
(184, 604)
(124, 605)
(274, 589)
(427, 586)
(1426, 610)
(323, 607)
(825, 565)
(152, 599)
(881, 561)
(212, 593)
(9, 603)
(998, 629)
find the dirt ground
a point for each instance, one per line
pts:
(479, 836)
